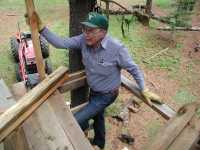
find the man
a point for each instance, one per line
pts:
(103, 58)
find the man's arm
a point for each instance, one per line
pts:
(63, 43)
(126, 62)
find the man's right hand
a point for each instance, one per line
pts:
(35, 17)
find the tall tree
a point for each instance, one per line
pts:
(148, 6)
(78, 12)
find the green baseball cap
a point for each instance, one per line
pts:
(96, 20)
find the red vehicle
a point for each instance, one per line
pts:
(23, 54)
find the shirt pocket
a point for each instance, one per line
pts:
(105, 68)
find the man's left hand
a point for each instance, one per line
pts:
(149, 97)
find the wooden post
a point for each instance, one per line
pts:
(35, 38)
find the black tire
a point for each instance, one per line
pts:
(17, 71)
(44, 47)
(48, 66)
(14, 46)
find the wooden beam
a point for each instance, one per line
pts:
(68, 123)
(162, 109)
(77, 108)
(174, 127)
(17, 139)
(30, 8)
(188, 137)
(18, 113)
(76, 80)
(38, 127)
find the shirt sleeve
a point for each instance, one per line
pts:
(126, 62)
(62, 43)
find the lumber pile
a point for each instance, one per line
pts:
(181, 132)
(42, 117)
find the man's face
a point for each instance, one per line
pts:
(93, 35)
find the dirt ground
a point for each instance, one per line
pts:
(157, 81)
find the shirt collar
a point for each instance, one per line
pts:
(104, 42)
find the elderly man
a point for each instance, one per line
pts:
(103, 58)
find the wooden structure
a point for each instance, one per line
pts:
(180, 133)
(28, 120)
(40, 119)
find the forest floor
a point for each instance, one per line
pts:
(176, 86)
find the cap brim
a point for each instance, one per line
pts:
(88, 24)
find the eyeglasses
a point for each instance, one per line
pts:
(91, 31)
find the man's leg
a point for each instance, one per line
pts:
(99, 130)
(96, 105)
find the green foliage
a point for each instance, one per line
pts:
(153, 128)
(163, 3)
(183, 96)
(114, 109)
(168, 63)
(7, 68)
(125, 22)
(12, 5)
(19, 5)
(181, 16)
(59, 56)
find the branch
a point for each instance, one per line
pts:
(179, 28)
(160, 19)
(110, 1)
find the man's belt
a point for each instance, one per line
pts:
(115, 91)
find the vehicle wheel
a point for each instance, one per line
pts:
(14, 46)
(17, 70)
(44, 47)
(48, 67)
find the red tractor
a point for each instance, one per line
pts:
(23, 54)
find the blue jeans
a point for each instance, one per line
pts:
(95, 110)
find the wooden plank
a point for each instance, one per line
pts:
(69, 123)
(73, 84)
(52, 131)
(38, 127)
(17, 114)
(174, 127)
(188, 136)
(78, 108)
(16, 141)
(1, 146)
(163, 109)
(73, 76)
(30, 8)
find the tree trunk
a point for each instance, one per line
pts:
(148, 6)
(148, 10)
(78, 12)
